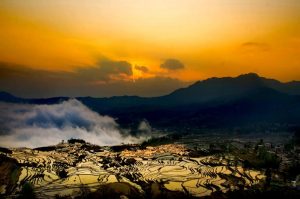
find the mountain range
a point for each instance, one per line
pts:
(239, 101)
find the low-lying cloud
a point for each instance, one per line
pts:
(24, 125)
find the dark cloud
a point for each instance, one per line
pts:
(106, 70)
(27, 82)
(115, 67)
(251, 46)
(172, 64)
(144, 69)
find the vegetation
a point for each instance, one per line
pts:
(156, 141)
(293, 170)
(258, 193)
(27, 192)
(74, 141)
(10, 171)
(5, 150)
(63, 173)
(46, 148)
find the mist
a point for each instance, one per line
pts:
(25, 125)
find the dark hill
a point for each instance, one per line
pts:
(213, 103)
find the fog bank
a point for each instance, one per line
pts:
(24, 125)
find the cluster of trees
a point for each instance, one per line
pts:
(73, 141)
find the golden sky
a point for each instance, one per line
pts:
(204, 38)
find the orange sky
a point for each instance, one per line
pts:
(208, 37)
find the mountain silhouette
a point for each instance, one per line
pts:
(244, 100)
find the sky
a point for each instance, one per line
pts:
(138, 47)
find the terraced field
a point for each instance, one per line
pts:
(67, 169)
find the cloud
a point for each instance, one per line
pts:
(43, 125)
(106, 70)
(144, 69)
(255, 46)
(145, 127)
(27, 82)
(113, 67)
(172, 64)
